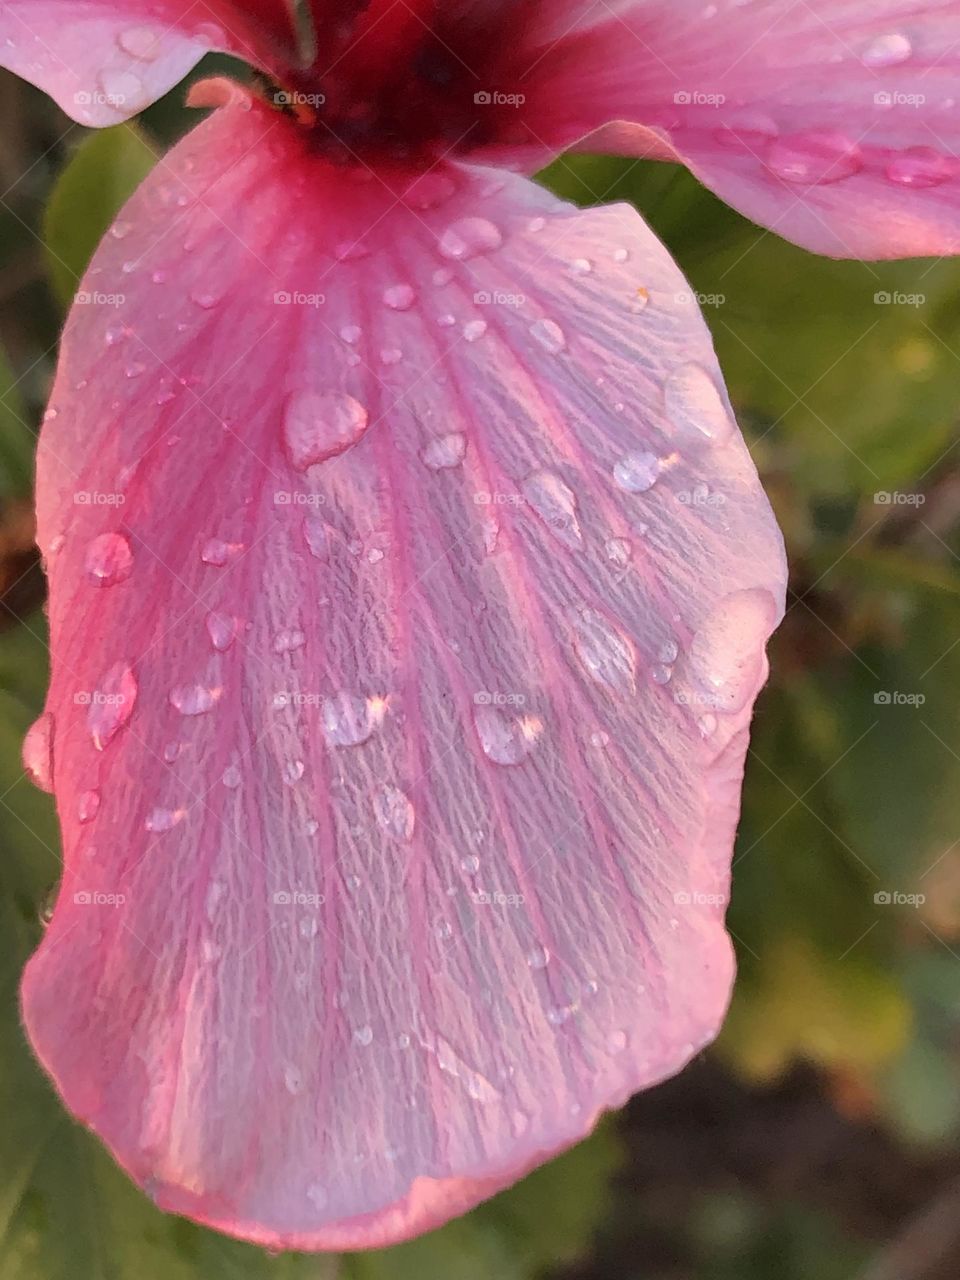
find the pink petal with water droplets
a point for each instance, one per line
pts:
(382, 915)
(105, 60)
(837, 125)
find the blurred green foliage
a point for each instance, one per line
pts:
(845, 377)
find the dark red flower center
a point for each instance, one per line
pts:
(401, 78)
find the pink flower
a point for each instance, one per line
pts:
(410, 579)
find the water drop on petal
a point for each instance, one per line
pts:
(194, 699)
(318, 425)
(111, 706)
(469, 237)
(556, 504)
(394, 812)
(606, 655)
(506, 738)
(444, 452)
(109, 559)
(695, 405)
(38, 752)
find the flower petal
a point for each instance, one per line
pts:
(409, 589)
(105, 60)
(835, 125)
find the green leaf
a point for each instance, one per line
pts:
(545, 1221)
(103, 173)
(16, 439)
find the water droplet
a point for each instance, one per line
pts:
(619, 551)
(222, 630)
(363, 1036)
(349, 720)
(231, 777)
(661, 674)
(194, 699)
(606, 655)
(550, 336)
(205, 300)
(600, 739)
(638, 472)
(317, 1195)
(315, 536)
(474, 330)
(308, 927)
(536, 224)
(293, 771)
(111, 706)
(351, 334)
(621, 255)
(292, 1079)
(159, 820)
(506, 739)
(669, 651)
(887, 51)
(470, 864)
(707, 724)
(695, 405)
(555, 503)
(815, 158)
(469, 237)
(38, 752)
(88, 806)
(288, 641)
(400, 297)
(121, 229)
(726, 654)
(217, 552)
(140, 42)
(581, 266)
(109, 559)
(394, 812)
(445, 451)
(429, 191)
(617, 1041)
(318, 425)
(560, 1014)
(538, 957)
(921, 167)
(391, 355)
(123, 90)
(172, 751)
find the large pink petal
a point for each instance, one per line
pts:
(398, 790)
(835, 124)
(105, 60)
